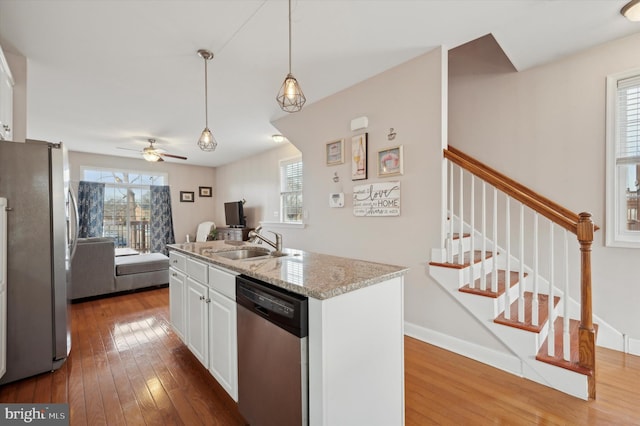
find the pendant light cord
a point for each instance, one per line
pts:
(289, 36)
(206, 99)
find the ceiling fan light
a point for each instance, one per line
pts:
(290, 97)
(151, 156)
(631, 10)
(207, 142)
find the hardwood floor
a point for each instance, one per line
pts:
(128, 367)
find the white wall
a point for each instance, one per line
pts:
(186, 216)
(255, 179)
(545, 127)
(18, 66)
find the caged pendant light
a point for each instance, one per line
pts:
(206, 142)
(290, 97)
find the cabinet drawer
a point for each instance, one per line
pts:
(222, 281)
(177, 260)
(176, 274)
(197, 270)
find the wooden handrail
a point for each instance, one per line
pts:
(579, 224)
(544, 206)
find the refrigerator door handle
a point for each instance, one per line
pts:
(74, 225)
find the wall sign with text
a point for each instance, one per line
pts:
(377, 199)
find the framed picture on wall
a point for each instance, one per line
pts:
(186, 196)
(359, 157)
(335, 152)
(204, 191)
(390, 161)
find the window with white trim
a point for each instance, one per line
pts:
(127, 207)
(291, 190)
(623, 160)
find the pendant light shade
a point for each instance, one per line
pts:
(206, 142)
(290, 97)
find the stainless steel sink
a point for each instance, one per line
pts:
(243, 253)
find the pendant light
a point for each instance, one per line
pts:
(206, 142)
(290, 97)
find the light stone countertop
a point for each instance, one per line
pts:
(314, 275)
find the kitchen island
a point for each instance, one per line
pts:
(355, 338)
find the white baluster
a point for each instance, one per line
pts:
(494, 254)
(566, 332)
(507, 306)
(483, 251)
(534, 303)
(461, 218)
(521, 274)
(551, 337)
(450, 200)
(472, 225)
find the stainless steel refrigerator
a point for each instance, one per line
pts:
(34, 178)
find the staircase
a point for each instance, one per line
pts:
(509, 257)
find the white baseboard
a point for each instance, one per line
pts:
(500, 360)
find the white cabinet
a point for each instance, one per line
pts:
(223, 339)
(6, 99)
(202, 309)
(197, 320)
(177, 291)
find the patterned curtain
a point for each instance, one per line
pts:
(161, 226)
(90, 209)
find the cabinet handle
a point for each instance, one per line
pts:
(201, 297)
(174, 274)
(208, 300)
(175, 261)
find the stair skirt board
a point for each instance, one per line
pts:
(523, 344)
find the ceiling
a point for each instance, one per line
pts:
(105, 75)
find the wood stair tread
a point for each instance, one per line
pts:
(515, 277)
(477, 257)
(543, 313)
(557, 358)
(456, 235)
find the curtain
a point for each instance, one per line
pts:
(90, 209)
(161, 226)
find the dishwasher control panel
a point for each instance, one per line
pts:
(283, 308)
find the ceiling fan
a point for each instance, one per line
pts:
(153, 154)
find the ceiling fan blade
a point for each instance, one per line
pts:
(164, 154)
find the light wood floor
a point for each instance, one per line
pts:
(128, 367)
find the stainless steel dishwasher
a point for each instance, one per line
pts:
(272, 354)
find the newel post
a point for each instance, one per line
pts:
(587, 334)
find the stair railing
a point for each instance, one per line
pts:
(559, 218)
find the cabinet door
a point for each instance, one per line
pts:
(197, 320)
(6, 106)
(223, 343)
(177, 289)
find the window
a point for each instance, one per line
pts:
(126, 204)
(291, 190)
(623, 159)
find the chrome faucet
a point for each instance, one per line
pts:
(277, 245)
